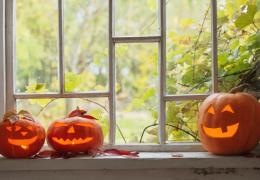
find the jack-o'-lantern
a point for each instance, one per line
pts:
(229, 124)
(77, 133)
(20, 135)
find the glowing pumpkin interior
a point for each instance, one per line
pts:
(22, 134)
(220, 132)
(71, 131)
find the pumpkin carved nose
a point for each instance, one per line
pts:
(71, 130)
(24, 133)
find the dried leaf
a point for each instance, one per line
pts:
(44, 154)
(26, 115)
(89, 117)
(81, 113)
(9, 114)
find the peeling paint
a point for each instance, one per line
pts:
(213, 171)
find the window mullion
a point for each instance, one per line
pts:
(61, 46)
(136, 39)
(2, 57)
(58, 95)
(162, 71)
(112, 104)
(185, 97)
(214, 40)
(10, 54)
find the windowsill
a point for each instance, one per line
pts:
(147, 160)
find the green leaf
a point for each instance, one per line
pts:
(186, 22)
(36, 87)
(39, 86)
(222, 20)
(152, 4)
(247, 18)
(253, 42)
(257, 19)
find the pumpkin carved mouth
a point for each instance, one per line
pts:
(23, 143)
(73, 141)
(218, 133)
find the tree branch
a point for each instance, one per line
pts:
(173, 126)
(44, 107)
(197, 41)
(117, 126)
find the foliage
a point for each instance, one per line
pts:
(238, 43)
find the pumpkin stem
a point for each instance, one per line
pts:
(239, 88)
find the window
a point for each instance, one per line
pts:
(141, 67)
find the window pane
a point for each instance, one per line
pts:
(239, 44)
(188, 47)
(136, 18)
(86, 45)
(48, 110)
(136, 90)
(181, 119)
(36, 46)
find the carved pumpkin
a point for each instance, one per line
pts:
(76, 133)
(20, 135)
(229, 124)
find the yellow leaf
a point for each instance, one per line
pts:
(187, 22)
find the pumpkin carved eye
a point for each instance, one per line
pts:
(30, 128)
(17, 128)
(227, 108)
(85, 125)
(9, 128)
(59, 124)
(211, 110)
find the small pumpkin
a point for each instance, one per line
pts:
(77, 133)
(229, 124)
(20, 135)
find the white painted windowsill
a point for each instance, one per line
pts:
(147, 160)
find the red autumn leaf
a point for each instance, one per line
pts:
(89, 117)
(93, 153)
(77, 112)
(81, 113)
(121, 152)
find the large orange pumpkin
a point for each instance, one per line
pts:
(76, 133)
(229, 124)
(20, 135)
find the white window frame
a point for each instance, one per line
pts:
(9, 96)
(2, 57)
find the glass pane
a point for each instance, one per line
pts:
(238, 44)
(86, 45)
(136, 91)
(48, 110)
(136, 18)
(188, 47)
(36, 46)
(181, 119)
